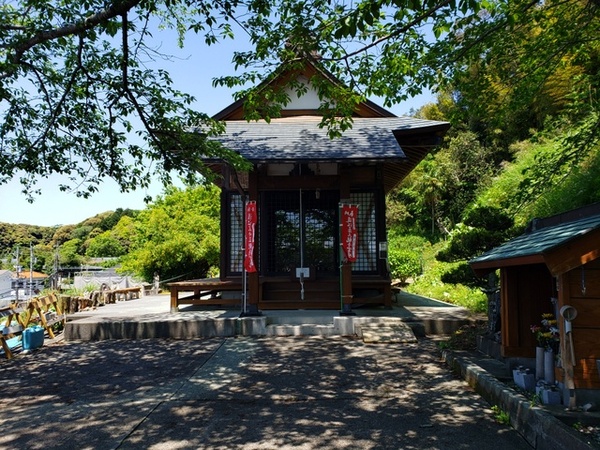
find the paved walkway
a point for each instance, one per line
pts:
(242, 393)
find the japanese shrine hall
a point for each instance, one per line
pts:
(300, 183)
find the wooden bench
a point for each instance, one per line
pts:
(207, 291)
(9, 315)
(128, 293)
(112, 295)
(362, 286)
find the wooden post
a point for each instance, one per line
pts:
(174, 298)
(565, 351)
(346, 285)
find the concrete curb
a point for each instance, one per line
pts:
(94, 329)
(538, 427)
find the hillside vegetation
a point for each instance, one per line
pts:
(176, 236)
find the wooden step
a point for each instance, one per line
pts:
(299, 304)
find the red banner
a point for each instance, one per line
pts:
(349, 231)
(251, 219)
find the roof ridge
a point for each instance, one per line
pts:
(572, 215)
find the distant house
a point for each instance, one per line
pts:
(300, 187)
(5, 283)
(553, 268)
(35, 281)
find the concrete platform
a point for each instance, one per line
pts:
(150, 317)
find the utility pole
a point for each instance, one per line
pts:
(30, 270)
(17, 272)
(55, 269)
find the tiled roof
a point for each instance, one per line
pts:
(25, 274)
(539, 241)
(300, 138)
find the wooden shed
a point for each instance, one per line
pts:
(554, 265)
(297, 188)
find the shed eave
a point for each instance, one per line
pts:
(573, 253)
(482, 267)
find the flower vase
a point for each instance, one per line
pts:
(539, 363)
(549, 366)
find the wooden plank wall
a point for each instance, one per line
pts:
(583, 288)
(525, 295)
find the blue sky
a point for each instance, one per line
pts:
(192, 69)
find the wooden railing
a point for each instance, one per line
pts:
(72, 304)
(43, 311)
(13, 326)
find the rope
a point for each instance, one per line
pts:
(175, 278)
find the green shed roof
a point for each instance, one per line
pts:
(543, 236)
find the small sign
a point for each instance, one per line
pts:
(349, 232)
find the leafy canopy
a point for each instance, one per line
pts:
(75, 86)
(75, 91)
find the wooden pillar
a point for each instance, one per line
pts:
(508, 329)
(224, 235)
(346, 287)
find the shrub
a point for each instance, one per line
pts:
(488, 217)
(404, 264)
(461, 273)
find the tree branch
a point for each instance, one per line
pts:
(486, 35)
(125, 44)
(399, 30)
(115, 10)
(57, 109)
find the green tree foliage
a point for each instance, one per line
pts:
(75, 83)
(404, 264)
(76, 237)
(437, 192)
(12, 235)
(104, 245)
(116, 241)
(43, 258)
(483, 229)
(124, 231)
(177, 236)
(110, 219)
(63, 234)
(70, 253)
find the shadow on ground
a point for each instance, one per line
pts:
(251, 393)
